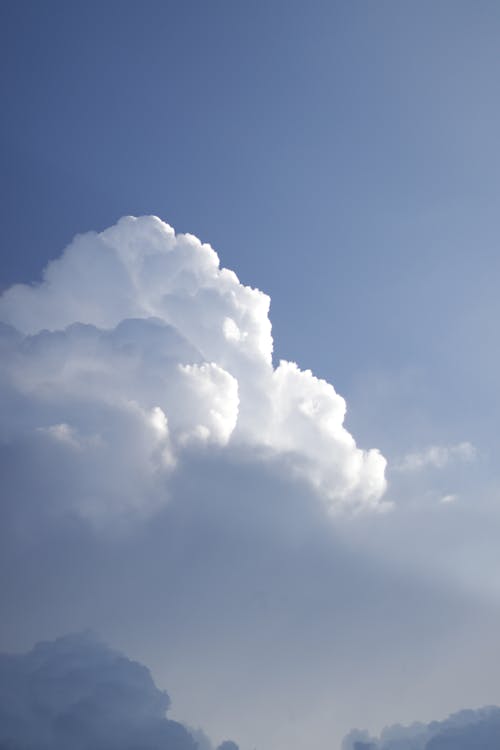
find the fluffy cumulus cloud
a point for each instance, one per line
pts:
(136, 349)
(465, 730)
(77, 694)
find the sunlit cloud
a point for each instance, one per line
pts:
(137, 348)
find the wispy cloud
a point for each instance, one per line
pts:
(436, 457)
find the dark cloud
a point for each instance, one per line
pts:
(465, 730)
(77, 694)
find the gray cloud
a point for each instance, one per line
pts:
(465, 730)
(77, 694)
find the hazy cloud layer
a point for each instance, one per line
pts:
(76, 694)
(265, 623)
(137, 348)
(465, 730)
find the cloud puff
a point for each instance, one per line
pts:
(77, 694)
(465, 730)
(137, 348)
(448, 499)
(437, 457)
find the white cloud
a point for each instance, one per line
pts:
(447, 499)
(137, 345)
(437, 457)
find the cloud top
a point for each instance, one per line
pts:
(137, 347)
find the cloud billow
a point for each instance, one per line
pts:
(77, 694)
(465, 730)
(137, 348)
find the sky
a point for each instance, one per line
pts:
(295, 529)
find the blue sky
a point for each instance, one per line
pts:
(343, 158)
(343, 153)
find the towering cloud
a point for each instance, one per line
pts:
(137, 349)
(77, 694)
